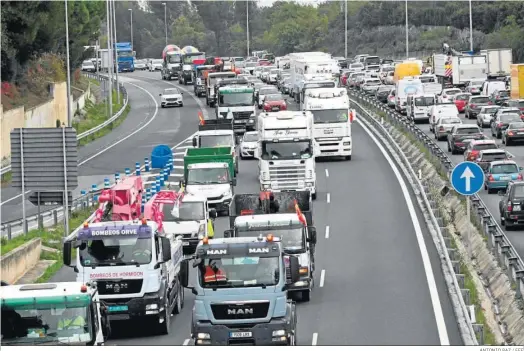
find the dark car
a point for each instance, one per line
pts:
(474, 104)
(383, 93)
(514, 133)
(274, 102)
(517, 103)
(499, 96)
(461, 135)
(511, 205)
(502, 121)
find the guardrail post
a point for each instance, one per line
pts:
(9, 232)
(137, 168)
(40, 221)
(26, 226)
(146, 164)
(512, 266)
(162, 178)
(55, 217)
(148, 193)
(157, 184)
(498, 239)
(83, 194)
(117, 177)
(520, 276)
(128, 172)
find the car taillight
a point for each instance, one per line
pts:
(444, 96)
(441, 129)
(510, 133)
(500, 125)
(473, 105)
(519, 177)
(490, 103)
(510, 207)
(490, 178)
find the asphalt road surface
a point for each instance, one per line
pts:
(371, 287)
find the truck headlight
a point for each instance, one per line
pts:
(153, 306)
(203, 336)
(280, 332)
(347, 143)
(202, 229)
(310, 185)
(251, 121)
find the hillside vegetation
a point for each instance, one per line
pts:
(373, 27)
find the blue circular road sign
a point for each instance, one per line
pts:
(467, 178)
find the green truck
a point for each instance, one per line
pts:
(210, 172)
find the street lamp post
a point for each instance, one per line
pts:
(407, 32)
(69, 117)
(110, 58)
(346, 28)
(131, 21)
(247, 26)
(470, 28)
(116, 53)
(165, 19)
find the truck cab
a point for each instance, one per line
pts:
(332, 120)
(183, 215)
(125, 57)
(250, 216)
(212, 79)
(199, 78)
(237, 103)
(286, 151)
(34, 314)
(241, 296)
(137, 267)
(171, 65)
(313, 82)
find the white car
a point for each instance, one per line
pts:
(141, 65)
(444, 126)
(172, 97)
(248, 144)
(447, 95)
(486, 115)
(155, 65)
(370, 85)
(88, 66)
(258, 71)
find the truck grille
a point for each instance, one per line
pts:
(287, 177)
(125, 286)
(242, 115)
(240, 311)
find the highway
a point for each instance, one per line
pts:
(491, 200)
(373, 286)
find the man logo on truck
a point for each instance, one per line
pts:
(239, 311)
(259, 250)
(216, 252)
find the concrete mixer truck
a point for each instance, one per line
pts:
(191, 58)
(172, 64)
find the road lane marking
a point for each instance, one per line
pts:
(186, 342)
(432, 285)
(178, 153)
(327, 232)
(328, 198)
(327, 173)
(315, 338)
(322, 278)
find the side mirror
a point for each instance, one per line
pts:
(312, 231)
(213, 213)
(67, 253)
(521, 168)
(256, 153)
(294, 269)
(184, 274)
(195, 142)
(228, 233)
(166, 251)
(234, 182)
(159, 94)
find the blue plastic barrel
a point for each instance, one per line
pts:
(160, 156)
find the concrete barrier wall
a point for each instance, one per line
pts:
(41, 116)
(17, 262)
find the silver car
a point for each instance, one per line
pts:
(486, 115)
(370, 85)
(444, 126)
(248, 144)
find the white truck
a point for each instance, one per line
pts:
(499, 61)
(34, 314)
(237, 103)
(296, 74)
(332, 120)
(313, 82)
(139, 270)
(405, 87)
(430, 84)
(211, 81)
(311, 68)
(286, 151)
(463, 68)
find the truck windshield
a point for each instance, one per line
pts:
(116, 251)
(188, 60)
(187, 211)
(43, 324)
(427, 79)
(213, 79)
(208, 176)
(238, 99)
(292, 150)
(215, 140)
(319, 85)
(173, 59)
(236, 272)
(424, 101)
(330, 116)
(292, 238)
(125, 54)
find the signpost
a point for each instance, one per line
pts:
(467, 178)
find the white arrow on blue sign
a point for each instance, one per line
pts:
(467, 178)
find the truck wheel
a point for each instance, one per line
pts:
(348, 158)
(314, 196)
(164, 327)
(225, 213)
(179, 300)
(305, 295)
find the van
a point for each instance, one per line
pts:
(405, 87)
(418, 106)
(406, 69)
(490, 86)
(441, 110)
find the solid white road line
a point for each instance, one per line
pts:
(178, 153)
(315, 338)
(178, 167)
(327, 173)
(327, 232)
(186, 342)
(432, 285)
(322, 278)
(328, 199)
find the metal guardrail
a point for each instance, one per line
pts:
(472, 334)
(497, 241)
(98, 127)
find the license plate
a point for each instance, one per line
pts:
(505, 178)
(185, 243)
(117, 308)
(240, 334)
(275, 109)
(238, 122)
(327, 153)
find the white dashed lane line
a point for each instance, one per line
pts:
(327, 173)
(327, 232)
(315, 338)
(186, 342)
(328, 198)
(322, 278)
